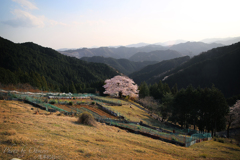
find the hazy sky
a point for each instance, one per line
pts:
(87, 23)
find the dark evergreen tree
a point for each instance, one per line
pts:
(174, 89)
(72, 88)
(143, 90)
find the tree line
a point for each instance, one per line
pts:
(205, 108)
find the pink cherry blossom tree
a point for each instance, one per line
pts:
(121, 85)
(233, 117)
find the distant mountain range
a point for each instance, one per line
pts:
(193, 48)
(219, 66)
(224, 41)
(124, 66)
(188, 48)
(120, 52)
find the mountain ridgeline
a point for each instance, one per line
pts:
(219, 66)
(46, 68)
(183, 49)
(122, 65)
(159, 55)
(156, 70)
(120, 52)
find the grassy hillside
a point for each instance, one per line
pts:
(43, 135)
(46, 68)
(155, 70)
(122, 65)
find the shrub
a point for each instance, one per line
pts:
(87, 119)
(52, 101)
(70, 103)
(174, 139)
(221, 140)
(203, 155)
(93, 103)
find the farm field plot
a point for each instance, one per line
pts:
(136, 114)
(149, 131)
(62, 138)
(64, 107)
(133, 113)
(84, 100)
(111, 100)
(95, 110)
(100, 112)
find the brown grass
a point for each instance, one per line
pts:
(60, 137)
(10, 132)
(17, 139)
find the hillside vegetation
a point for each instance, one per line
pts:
(124, 66)
(219, 66)
(159, 55)
(156, 70)
(46, 68)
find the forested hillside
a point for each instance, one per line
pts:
(47, 69)
(159, 55)
(219, 66)
(156, 70)
(122, 65)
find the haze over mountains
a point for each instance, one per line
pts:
(187, 48)
(158, 55)
(224, 41)
(124, 66)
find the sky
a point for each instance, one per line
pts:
(94, 23)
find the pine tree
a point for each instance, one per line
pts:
(44, 84)
(143, 90)
(72, 88)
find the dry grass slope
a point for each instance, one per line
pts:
(26, 135)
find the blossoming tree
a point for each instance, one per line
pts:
(233, 117)
(121, 85)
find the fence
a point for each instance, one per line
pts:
(108, 109)
(175, 138)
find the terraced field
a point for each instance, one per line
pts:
(64, 107)
(95, 110)
(111, 100)
(100, 112)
